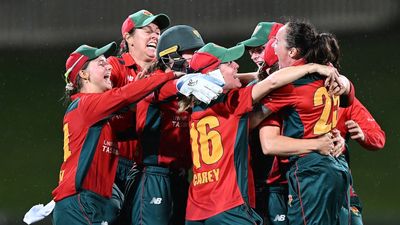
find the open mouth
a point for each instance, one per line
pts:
(152, 45)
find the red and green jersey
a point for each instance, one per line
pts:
(90, 148)
(219, 138)
(305, 106)
(280, 165)
(163, 132)
(374, 135)
(124, 71)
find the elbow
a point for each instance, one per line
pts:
(267, 149)
(375, 147)
(273, 82)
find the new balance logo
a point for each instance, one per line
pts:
(279, 218)
(192, 82)
(156, 201)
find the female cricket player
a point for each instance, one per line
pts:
(83, 195)
(318, 184)
(219, 191)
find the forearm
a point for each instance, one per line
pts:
(373, 142)
(280, 78)
(273, 143)
(258, 114)
(347, 98)
(247, 77)
(286, 146)
(137, 90)
(289, 74)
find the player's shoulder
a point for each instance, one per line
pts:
(309, 79)
(116, 60)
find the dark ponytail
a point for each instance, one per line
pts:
(303, 37)
(313, 47)
(328, 50)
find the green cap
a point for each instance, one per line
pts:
(223, 54)
(261, 34)
(81, 55)
(143, 18)
(210, 56)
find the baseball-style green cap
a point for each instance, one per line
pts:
(263, 32)
(210, 56)
(81, 55)
(143, 18)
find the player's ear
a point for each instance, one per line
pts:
(84, 74)
(293, 52)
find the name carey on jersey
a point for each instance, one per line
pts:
(110, 147)
(206, 177)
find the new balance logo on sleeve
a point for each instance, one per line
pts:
(156, 201)
(280, 218)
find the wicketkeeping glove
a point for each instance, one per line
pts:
(204, 87)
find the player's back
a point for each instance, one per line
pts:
(315, 111)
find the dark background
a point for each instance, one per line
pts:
(36, 37)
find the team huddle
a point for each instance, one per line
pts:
(167, 132)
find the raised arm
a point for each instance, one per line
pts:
(289, 74)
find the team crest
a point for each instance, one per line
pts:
(147, 13)
(355, 211)
(196, 33)
(130, 78)
(290, 200)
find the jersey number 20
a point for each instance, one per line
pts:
(206, 142)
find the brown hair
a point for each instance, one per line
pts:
(312, 46)
(123, 46)
(71, 89)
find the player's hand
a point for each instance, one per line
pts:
(204, 87)
(143, 74)
(325, 144)
(339, 143)
(355, 130)
(343, 87)
(333, 82)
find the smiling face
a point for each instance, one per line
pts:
(229, 71)
(97, 76)
(285, 55)
(143, 43)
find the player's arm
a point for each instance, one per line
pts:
(247, 77)
(273, 143)
(289, 74)
(364, 129)
(101, 106)
(346, 91)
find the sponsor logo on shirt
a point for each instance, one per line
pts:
(354, 210)
(180, 121)
(156, 201)
(280, 218)
(110, 147)
(206, 177)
